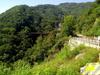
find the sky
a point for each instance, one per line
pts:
(7, 4)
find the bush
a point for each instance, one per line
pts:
(4, 70)
(21, 68)
(65, 62)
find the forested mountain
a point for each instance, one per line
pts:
(75, 8)
(17, 24)
(30, 36)
(16, 28)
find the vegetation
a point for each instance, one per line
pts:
(68, 26)
(89, 24)
(64, 63)
(34, 40)
(75, 8)
(98, 1)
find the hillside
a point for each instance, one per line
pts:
(18, 23)
(75, 8)
(35, 40)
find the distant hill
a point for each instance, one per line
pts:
(67, 8)
(45, 17)
(75, 8)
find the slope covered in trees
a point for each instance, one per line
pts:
(34, 40)
(18, 23)
(89, 24)
(75, 8)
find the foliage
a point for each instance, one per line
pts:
(67, 27)
(41, 49)
(31, 44)
(4, 70)
(96, 28)
(65, 63)
(75, 8)
(88, 24)
(17, 26)
(98, 1)
(21, 68)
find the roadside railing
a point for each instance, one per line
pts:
(87, 41)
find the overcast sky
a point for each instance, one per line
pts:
(6, 4)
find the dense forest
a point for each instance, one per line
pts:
(34, 40)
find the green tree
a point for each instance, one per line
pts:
(4, 70)
(67, 27)
(95, 30)
(21, 68)
(98, 1)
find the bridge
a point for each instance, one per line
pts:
(89, 42)
(39, 33)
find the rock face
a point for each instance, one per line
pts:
(79, 56)
(99, 38)
(90, 69)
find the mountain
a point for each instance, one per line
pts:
(75, 8)
(34, 40)
(18, 23)
(42, 17)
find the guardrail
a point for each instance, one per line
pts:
(95, 43)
